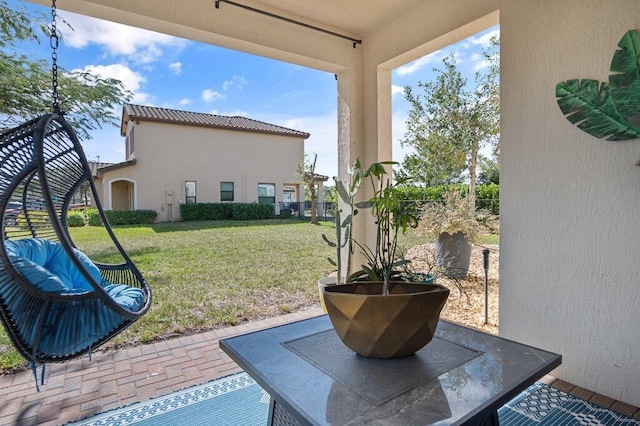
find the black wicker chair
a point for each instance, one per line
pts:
(42, 169)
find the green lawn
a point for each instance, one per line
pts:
(206, 275)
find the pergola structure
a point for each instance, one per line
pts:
(570, 275)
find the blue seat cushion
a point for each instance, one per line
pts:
(69, 326)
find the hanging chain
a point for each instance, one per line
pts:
(54, 42)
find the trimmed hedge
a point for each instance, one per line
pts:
(122, 217)
(253, 211)
(430, 193)
(226, 211)
(206, 211)
(487, 195)
(75, 218)
(131, 217)
(93, 217)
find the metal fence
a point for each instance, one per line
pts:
(302, 210)
(492, 205)
(326, 210)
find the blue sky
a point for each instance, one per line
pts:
(170, 72)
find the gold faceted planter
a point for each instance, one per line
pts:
(392, 326)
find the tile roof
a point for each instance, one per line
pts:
(102, 170)
(140, 112)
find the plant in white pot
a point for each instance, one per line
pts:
(383, 317)
(454, 224)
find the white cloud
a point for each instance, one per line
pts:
(131, 80)
(399, 128)
(236, 113)
(209, 95)
(395, 90)
(141, 46)
(479, 62)
(184, 101)
(236, 81)
(176, 67)
(485, 39)
(323, 140)
(419, 64)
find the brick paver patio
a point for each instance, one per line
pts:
(81, 388)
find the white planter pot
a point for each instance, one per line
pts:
(454, 253)
(322, 283)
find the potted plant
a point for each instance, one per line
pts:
(427, 268)
(384, 317)
(454, 224)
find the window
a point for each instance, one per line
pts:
(226, 191)
(267, 193)
(129, 144)
(190, 192)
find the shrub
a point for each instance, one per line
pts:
(131, 217)
(93, 217)
(285, 213)
(430, 193)
(488, 197)
(253, 211)
(453, 215)
(226, 211)
(206, 211)
(75, 218)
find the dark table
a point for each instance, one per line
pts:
(461, 377)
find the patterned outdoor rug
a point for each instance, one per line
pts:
(230, 401)
(543, 405)
(238, 401)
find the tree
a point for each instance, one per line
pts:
(307, 172)
(489, 172)
(89, 101)
(330, 194)
(448, 124)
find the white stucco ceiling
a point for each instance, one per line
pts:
(358, 17)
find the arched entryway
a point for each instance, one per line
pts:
(123, 195)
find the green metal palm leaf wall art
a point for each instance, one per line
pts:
(607, 110)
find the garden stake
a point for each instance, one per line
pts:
(485, 263)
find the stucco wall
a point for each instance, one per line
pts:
(569, 237)
(168, 155)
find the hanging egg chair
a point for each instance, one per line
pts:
(55, 303)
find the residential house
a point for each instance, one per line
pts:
(175, 157)
(569, 202)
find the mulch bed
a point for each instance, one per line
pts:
(467, 308)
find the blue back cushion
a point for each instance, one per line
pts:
(67, 329)
(46, 265)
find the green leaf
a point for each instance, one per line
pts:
(373, 276)
(377, 169)
(588, 104)
(332, 262)
(625, 78)
(343, 192)
(364, 204)
(347, 221)
(331, 243)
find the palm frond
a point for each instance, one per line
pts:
(589, 105)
